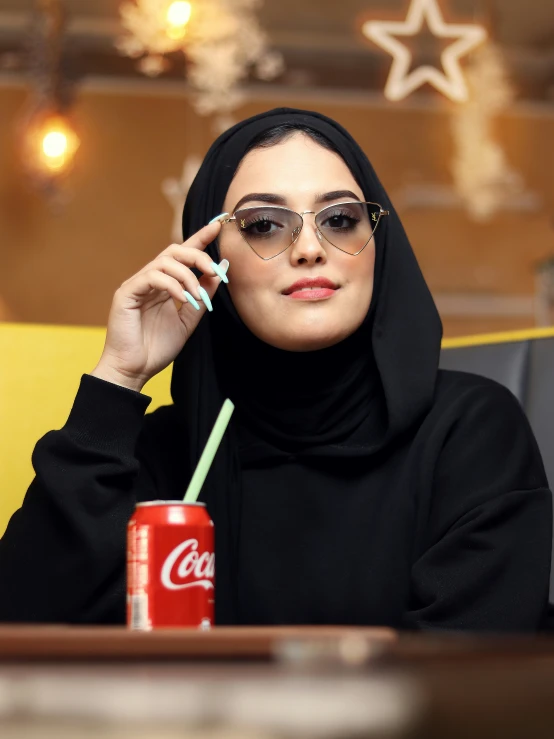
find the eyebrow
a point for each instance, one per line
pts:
(270, 197)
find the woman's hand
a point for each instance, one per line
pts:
(151, 318)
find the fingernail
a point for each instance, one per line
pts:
(191, 300)
(220, 217)
(205, 298)
(220, 270)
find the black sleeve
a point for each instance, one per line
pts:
(62, 556)
(486, 565)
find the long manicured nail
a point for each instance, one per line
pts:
(220, 270)
(205, 298)
(191, 300)
(220, 217)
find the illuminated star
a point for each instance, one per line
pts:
(401, 81)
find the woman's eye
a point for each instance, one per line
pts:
(261, 227)
(340, 221)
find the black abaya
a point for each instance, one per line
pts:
(382, 492)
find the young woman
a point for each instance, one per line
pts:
(357, 483)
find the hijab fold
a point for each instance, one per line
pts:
(350, 400)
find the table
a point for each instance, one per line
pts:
(319, 683)
(62, 642)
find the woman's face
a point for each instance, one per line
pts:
(299, 174)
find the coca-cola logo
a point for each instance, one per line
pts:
(185, 568)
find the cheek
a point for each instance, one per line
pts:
(232, 248)
(359, 271)
(249, 276)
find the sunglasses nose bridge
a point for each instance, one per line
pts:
(316, 227)
(318, 233)
(296, 231)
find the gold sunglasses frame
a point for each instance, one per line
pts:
(320, 236)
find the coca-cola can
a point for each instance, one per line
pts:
(170, 566)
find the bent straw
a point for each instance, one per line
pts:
(212, 445)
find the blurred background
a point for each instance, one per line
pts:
(107, 107)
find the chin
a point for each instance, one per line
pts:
(307, 340)
(309, 334)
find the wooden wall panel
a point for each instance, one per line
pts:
(64, 268)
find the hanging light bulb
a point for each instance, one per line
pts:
(49, 144)
(56, 144)
(177, 17)
(46, 137)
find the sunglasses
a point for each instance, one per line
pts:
(269, 230)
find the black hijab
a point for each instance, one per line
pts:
(351, 399)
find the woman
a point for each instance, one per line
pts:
(357, 483)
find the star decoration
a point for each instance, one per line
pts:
(401, 81)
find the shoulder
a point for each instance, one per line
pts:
(462, 395)
(480, 450)
(484, 434)
(453, 382)
(477, 411)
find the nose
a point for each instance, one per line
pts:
(308, 245)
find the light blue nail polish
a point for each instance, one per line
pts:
(219, 272)
(205, 298)
(218, 218)
(191, 300)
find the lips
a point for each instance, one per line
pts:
(310, 283)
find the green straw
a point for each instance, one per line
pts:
(212, 445)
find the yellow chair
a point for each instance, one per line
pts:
(39, 375)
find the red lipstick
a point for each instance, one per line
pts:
(311, 288)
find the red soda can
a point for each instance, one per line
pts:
(170, 566)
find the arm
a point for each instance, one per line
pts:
(62, 556)
(486, 566)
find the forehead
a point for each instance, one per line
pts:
(298, 163)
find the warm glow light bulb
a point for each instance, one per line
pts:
(52, 144)
(178, 15)
(55, 144)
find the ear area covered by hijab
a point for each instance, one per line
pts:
(402, 334)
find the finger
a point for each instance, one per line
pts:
(145, 283)
(211, 284)
(195, 290)
(208, 285)
(195, 304)
(170, 266)
(191, 258)
(201, 239)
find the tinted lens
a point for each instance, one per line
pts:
(348, 226)
(268, 230)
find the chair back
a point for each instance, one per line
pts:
(523, 361)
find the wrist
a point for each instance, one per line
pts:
(116, 377)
